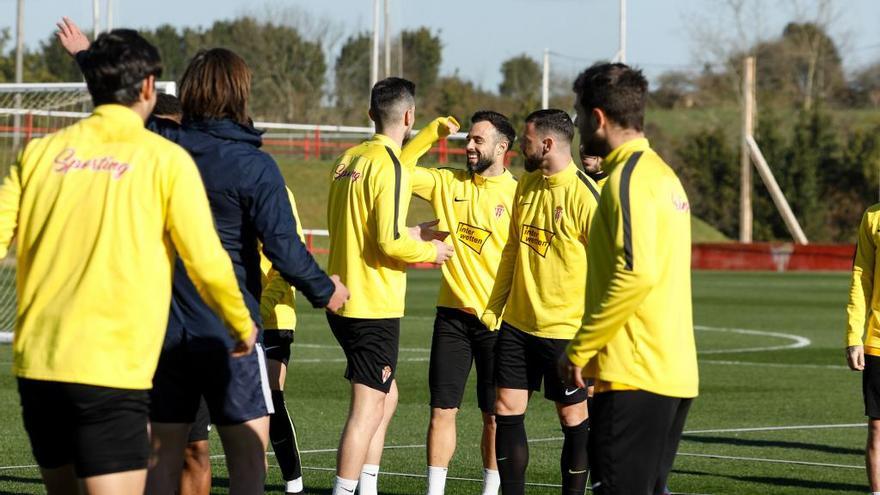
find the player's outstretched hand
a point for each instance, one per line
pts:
(425, 231)
(340, 295)
(855, 357)
(570, 373)
(444, 252)
(72, 39)
(245, 347)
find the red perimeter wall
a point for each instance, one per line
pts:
(772, 256)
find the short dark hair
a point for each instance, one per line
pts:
(552, 120)
(499, 121)
(167, 104)
(216, 85)
(618, 89)
(116, 64)
(391, 97)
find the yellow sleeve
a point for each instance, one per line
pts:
(492, 315)
(862, 285)
(275, 288)
(424, 181)
(10, 196)
(634, 272)
(392, 234)
(191, 227)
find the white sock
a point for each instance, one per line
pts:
(369, 480)
(491, 482)
(343, 486)
(436, 480)
(294, 486)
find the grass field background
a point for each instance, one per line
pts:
(778, 412)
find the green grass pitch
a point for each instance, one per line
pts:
(778, 412)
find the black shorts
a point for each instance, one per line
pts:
(235, 389)
(277, 343)
(370, 346)
(633, 440)
(460, 338)
(100, 430)
(871, 386)
(201, 427)
(523, 361)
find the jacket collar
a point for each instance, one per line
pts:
(123, 118)
(384, 140)
(227, 129)
(623, 152)
(562, 177)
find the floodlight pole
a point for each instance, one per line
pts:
(545, 81)
(621, 54)
(374, 59)
(96, 18)
(745, 165)
(19, 70)
(387, 38)
(109, 15)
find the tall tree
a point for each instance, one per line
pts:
(422, 54)
(352, 78)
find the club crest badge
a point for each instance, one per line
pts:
(499, 210)
(557, 213)
(386, 373)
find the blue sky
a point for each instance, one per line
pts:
(479, 34)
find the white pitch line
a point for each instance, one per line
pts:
(773, 461)
(342, 360)
(328, 346)
(798, 343)
(777, 428)
(776, 365)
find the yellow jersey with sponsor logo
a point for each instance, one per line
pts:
(97, 210)
(475, 210)
(278, 299)
(541, 282)
(863, 309)
(638, 330)
(370, 244)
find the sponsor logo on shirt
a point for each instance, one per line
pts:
(537, 239)
(342, 173)
(472, 237)
(67, 161)
(680, 203)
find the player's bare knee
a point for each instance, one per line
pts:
(443, 416)
(571, 414)
(489, 421)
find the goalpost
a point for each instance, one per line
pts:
(28, 111)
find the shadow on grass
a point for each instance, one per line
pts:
(218, 482)
(830, 449)
(18, 479)
(784, 482)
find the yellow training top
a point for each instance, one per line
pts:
(638, 330)
(278, 299)
(541, 281)
(475, 210)
(863, 310)
(370, 245)
(97, 210)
